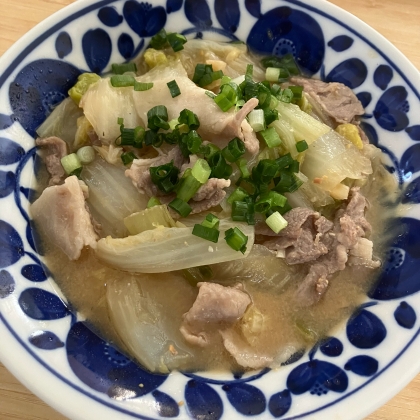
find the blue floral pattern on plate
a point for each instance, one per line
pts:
(335, 368)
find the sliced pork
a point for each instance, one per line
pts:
(53, 150)
(215, 308)
(336, 101)
(61, 213)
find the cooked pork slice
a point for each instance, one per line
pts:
(336, 100)
(250, 138)
(53, 150)
(210, 188)
(61, 213)
(140, 175)
(242, 352)
(216, 307)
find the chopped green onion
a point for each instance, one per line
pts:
(273, 104)
(264, 172)
(270, 115)
(263, 96)
(200, 70)
(286, 96)
(297, 91)
(154, 201)
(71, 164)
(284, 161)
(190, 119)
(268, 200)
(188, 186)
(159, 40)
(176, 41)
(271, 137)
(286, 62)
(150, 137)
(209, 234)
(201, 171)
(228, 96)
(276, 222)
(174, 88)
(288, 183)
(301, 146)
(122, 80)
(249, 72)
(236, 239)
(272, 74)
(165, 176)
(211, 221)
(219, 167)
(243, 167)
(157, 117)
(225, 80)
(124, 68)
(193, 142)
(239, 194)
(86, 155)
(210, 94)
(173, 124)
(128, 157)
(141, 87)
(180, 207)
(234, 150)
(209, 150)
(216, 75)
(240, 211)
(256, 120)
(294, 166)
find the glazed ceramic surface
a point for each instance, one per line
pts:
(51, 349)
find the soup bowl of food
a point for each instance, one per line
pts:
(209, 210)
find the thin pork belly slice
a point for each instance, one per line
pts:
(60, 212)
(215, 308)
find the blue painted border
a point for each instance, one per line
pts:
(6, 74)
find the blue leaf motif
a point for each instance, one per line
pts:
(6, 121)
(97, 49)
(30, 234)
(63, 44)
(198, 13)
(144, 19)
(173, 5)
(34, 272)
(228, 14)
(7, 183)
(332, 347)
(37, 89)
(42, 305)
(414, 132)
(7, 284)
(370, 132)
(166, 406)
(399, 278)
(391, 109)
(203, 402)
(10, 152)
(362, 365)
(11, 246)
(405, 315)
(382, 76)
(365, 330)
(284, 30)
(365, 98)
(45, 340)
(279, 404)
(351, 72)
(318, 377)
(109, 16)
(412, 192)
(104, 369)
(410, 163)
(253, 7)
(247, 399)
(126, 46)
(341, 43)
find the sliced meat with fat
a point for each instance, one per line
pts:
(53, 150)
(215, 308)
(336, 99)
(61, 213)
